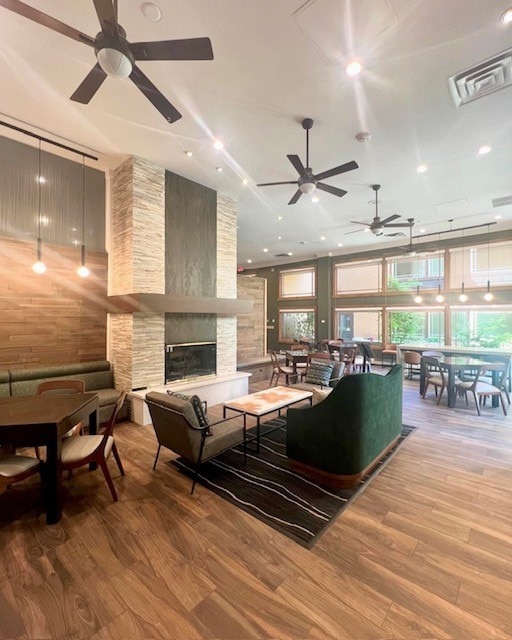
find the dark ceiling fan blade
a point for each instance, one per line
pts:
(334, 190)
(107, 15)
(390, 219)
(357, 230)
(343, 168)
(189, 49)
(270, 184)
(299, 167)
(296, 196)
(398, 224)
(157, 99)
(91, 83)
(45, 20)
(366, 224)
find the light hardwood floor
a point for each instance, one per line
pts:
(424, 553)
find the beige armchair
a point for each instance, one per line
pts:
(178, 428)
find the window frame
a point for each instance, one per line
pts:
(284, 340)
(312, 270)
(340, 266)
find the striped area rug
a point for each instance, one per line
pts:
(270, 490)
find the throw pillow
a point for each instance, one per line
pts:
(320, 394)
(198, 407)
(319, 372)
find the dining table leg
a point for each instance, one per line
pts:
(53, 479)
(451, 387)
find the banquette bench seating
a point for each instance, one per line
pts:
(98, 376)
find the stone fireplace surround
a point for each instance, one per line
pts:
(138, 295)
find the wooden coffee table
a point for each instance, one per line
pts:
(264, 402)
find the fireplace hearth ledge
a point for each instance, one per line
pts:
(215, 390)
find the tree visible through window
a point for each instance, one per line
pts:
(296, 325)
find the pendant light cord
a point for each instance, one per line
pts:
(39, 195)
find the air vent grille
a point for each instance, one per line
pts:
(281, 255)
(481, 80)
(501, 202)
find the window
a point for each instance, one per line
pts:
(297, 283)
(358, 277)
(482, 327)
(296, 325)
(359, 323)
(469, 265)
(408, 326)
(405, 274)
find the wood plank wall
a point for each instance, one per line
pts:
(53, 318)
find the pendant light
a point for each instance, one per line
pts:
(82, 270)
(39, 266)
(439, 297)
(488, 295)
(418, 299)
(463, 297)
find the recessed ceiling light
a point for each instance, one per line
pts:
(315, 199)
(41, 179)
(151, 12)
(290, 253)
(367, 230)
(421, 168)
(340, 244)
(245, 181)
(279, 238)
(322, 237)
(249, 261)
(497, 217)
(422, 230)
(506, 17)
(218, 144)
(353, 68)
(484, 149)
(189, 154)
(279, 217)
(265, 250)
(219, 169)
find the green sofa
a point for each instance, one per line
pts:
(340, 439)
(98, 376)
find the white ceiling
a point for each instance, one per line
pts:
(276, 63)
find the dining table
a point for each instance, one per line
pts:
(452, 365)
(27, 421)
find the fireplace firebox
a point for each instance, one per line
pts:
(189, 361)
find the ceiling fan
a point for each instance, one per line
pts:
(410, 250)
(308, 181)
(116, 56)
(377, 226)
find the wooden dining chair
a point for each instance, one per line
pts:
(77, 452)
(278, 370)
(15, 468)
(62, 386)
(435, 376)
(481, 390)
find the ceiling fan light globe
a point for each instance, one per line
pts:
(378, 231)
(114, 63)
(307, 187)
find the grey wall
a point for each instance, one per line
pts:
(191, 255)
(61, 197)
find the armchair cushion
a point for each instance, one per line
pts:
(319, 372)
(197, 406)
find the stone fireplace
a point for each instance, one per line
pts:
(172, 272)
